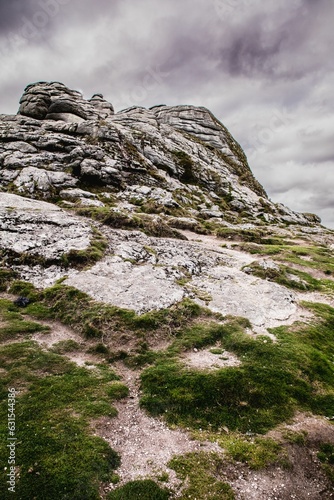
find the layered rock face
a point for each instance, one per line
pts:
(39, 228)
(178, 160)
(54, 101)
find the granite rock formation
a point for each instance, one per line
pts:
(126, 223)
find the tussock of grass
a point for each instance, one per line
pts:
(257, 453)
(145, 489)
(13, 324)
(6, 276)
(326, 457)
(287, 276)
(118, 220)
(64, 346)
(258, 235)
(201, 473)
(314, 257)
(299, 438)
(90, 255)
(96, 320)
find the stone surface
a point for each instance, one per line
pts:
(140, 288)
(264, 303)
(39, 228)
(56, 102)
(144, 274)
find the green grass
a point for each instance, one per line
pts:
(257, 235)
(57, 455)
(6, 276)
(257, 453)
(272, 382)
(95, 320)
(201, 474)
(289, 277)
(140, 490)
(140, 222)
(92, 254)
(14, 325)
(65, 346)
(313, 257)
(299, 438)
(326, 457)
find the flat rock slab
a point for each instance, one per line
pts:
(40, 228)
(233, 292)
(144, 275)
(141, 288)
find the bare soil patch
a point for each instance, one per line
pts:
(58, 332)
(303, 479)
(204, 359)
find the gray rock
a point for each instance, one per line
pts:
(33, 179)
(43, 100)
(74, 194)
(103, 107)
(39, 228)
(140, 288)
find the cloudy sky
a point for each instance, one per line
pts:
(264, 68)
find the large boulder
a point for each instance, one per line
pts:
(55, 101)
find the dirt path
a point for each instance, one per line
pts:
(146, 444)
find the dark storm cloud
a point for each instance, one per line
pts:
(12, 12)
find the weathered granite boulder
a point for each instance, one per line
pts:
(54, 101)
(39, 229)
(103, 107)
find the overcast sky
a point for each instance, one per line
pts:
(264, 68)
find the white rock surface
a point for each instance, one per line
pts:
(40, 228)
(141, 288)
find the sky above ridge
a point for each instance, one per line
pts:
(264, 68)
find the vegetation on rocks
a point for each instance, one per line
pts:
(118, 220)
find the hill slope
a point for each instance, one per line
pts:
(177, 340)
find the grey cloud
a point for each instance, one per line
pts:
(12, 12)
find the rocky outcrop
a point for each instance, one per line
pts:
(38, 229)
(138, 272)
(179, 161)
(54, 101)
(156, 211)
